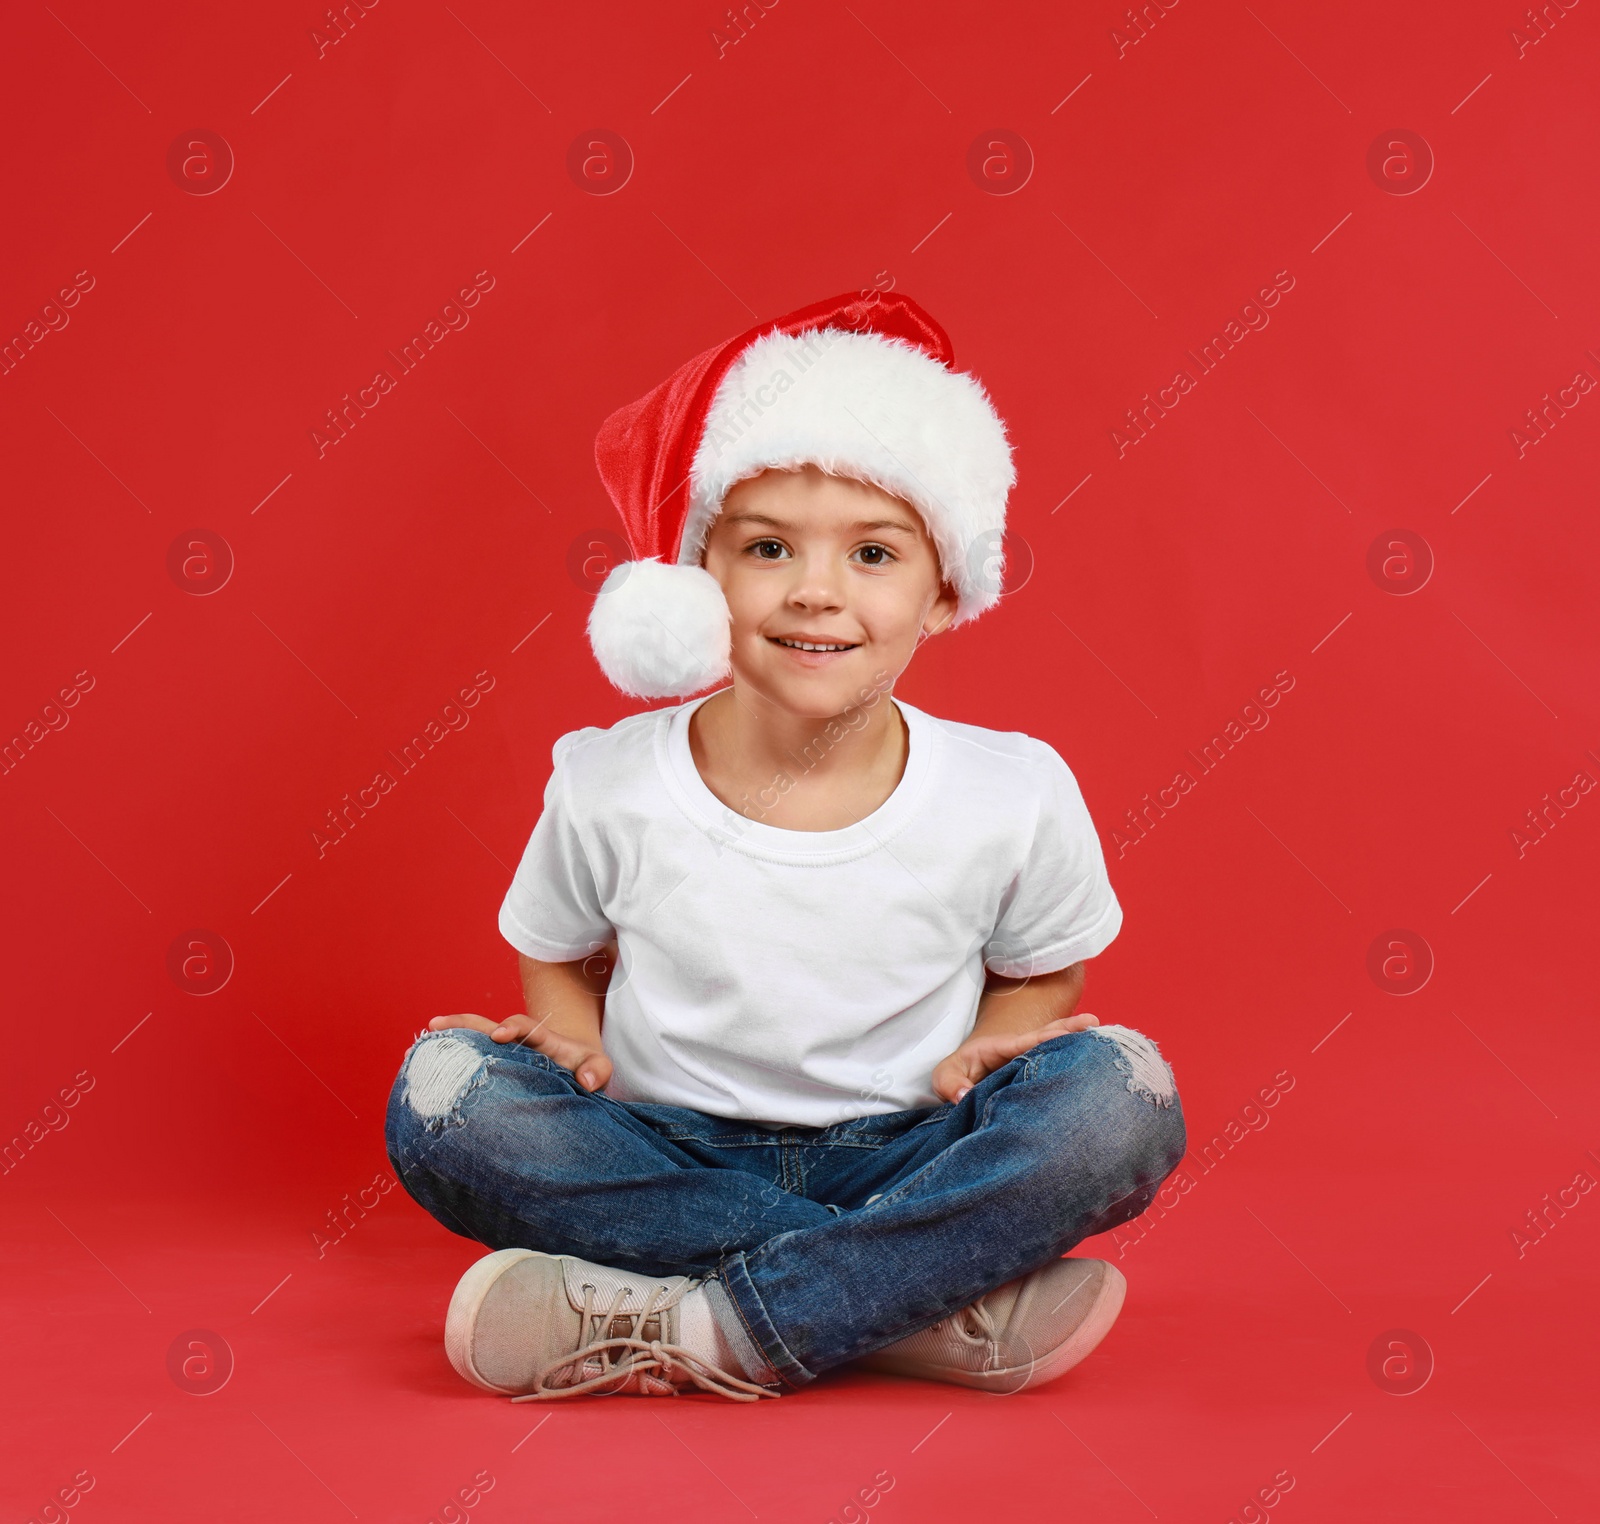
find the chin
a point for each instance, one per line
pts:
(815, 701)
(817, 694)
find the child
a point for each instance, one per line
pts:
(800, 1081)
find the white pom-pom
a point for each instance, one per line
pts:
(660, 631)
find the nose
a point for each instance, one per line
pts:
(818, 584)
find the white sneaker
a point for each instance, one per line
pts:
(546, 1325)
(1022, 1334)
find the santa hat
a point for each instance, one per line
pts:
(863, 386)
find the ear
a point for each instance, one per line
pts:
(941, 611)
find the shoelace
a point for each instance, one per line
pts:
(975, 1324)
(645, 1364)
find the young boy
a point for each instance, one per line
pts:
(800, 1080)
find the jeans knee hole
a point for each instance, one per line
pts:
(441, 1072)
(1140, 1061)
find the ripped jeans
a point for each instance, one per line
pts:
(820, 1244)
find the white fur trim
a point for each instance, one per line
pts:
(660, 631)
(880, 410)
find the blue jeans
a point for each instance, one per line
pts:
(822, 1244)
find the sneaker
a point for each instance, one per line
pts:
(549, 1325)
(1024, 1333)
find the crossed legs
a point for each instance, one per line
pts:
(901, 1219)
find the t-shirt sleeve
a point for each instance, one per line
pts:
(1060, 907)
(552, 910)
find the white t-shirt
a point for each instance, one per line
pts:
(805, 977)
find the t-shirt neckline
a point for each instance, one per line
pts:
(775, 843)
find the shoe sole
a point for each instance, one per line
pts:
(468, 1297)
(1084, 1339)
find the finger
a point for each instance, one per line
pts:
(594, 1071)
(1008, 1045)
(966, 1069)
(1062, 1025)
(974, 1072)
(526, 1028)
(515, 1028)
(465, 1019)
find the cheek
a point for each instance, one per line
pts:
(892, 611)
(751, 599)
(753, 602)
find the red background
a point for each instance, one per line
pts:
(825, 150)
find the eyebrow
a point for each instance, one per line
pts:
(750, 516)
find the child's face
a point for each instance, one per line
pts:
(827, 559)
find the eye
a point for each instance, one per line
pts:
(882, 552)
(757, 548)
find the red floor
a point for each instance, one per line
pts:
(1380, 501)
(1241, 1357)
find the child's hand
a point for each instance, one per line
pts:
(982, 1054)
(586, 1059)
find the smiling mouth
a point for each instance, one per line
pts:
(821, 647)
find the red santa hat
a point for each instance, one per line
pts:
(862, 385)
